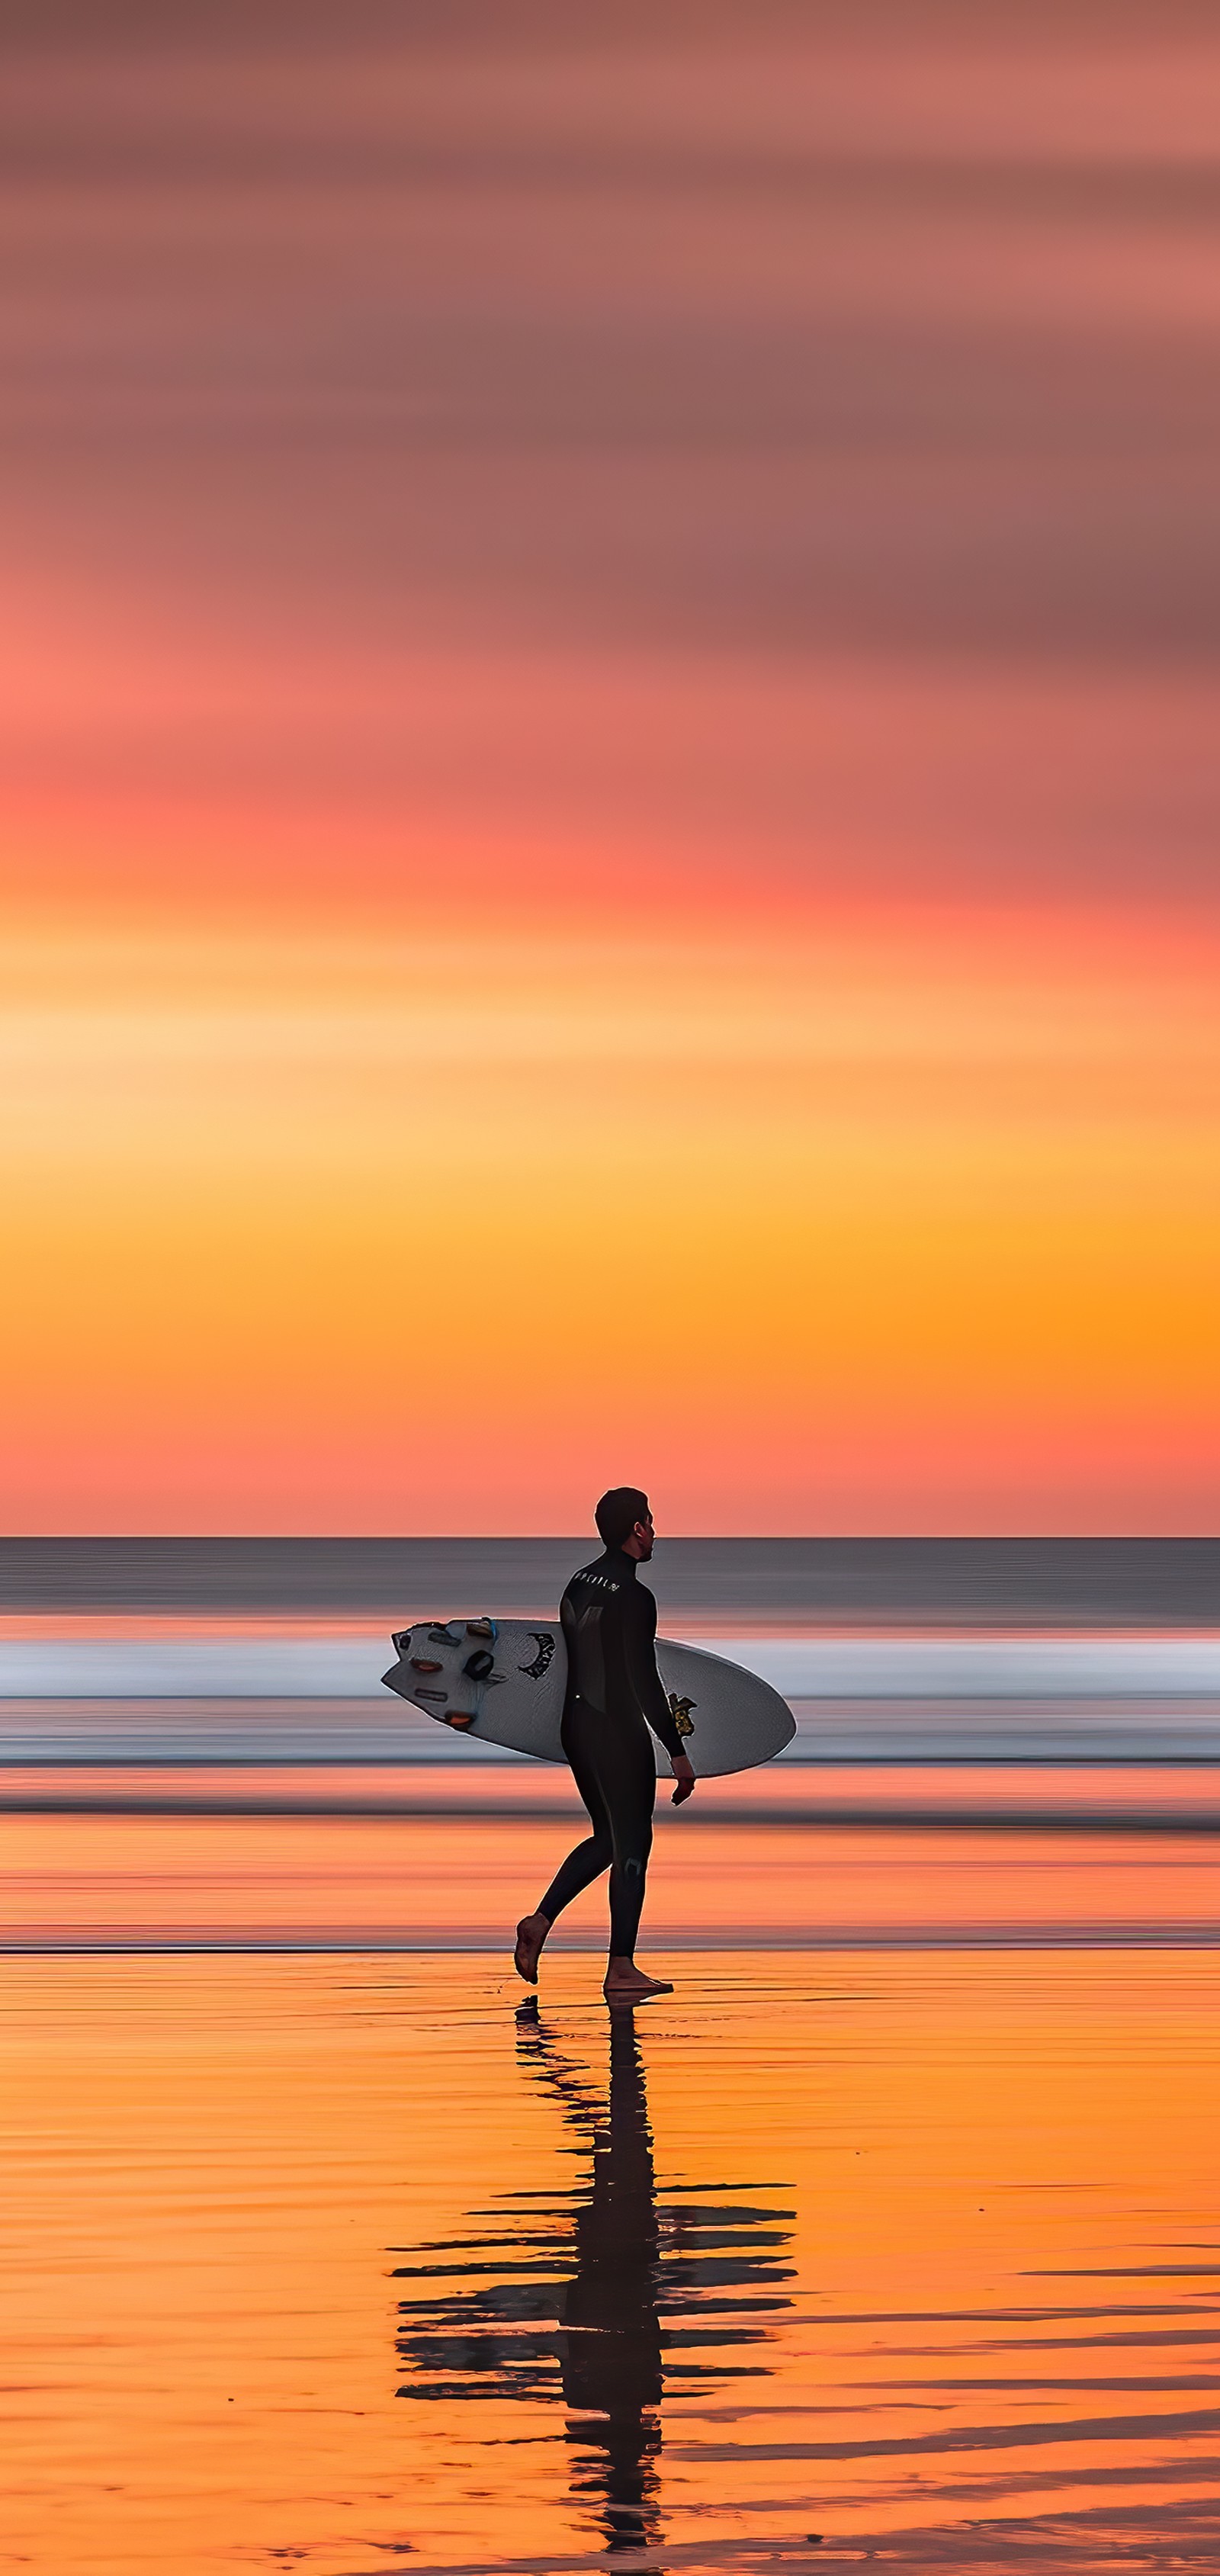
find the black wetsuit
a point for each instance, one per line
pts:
(614, 1695)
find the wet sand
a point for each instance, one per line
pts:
(341, 2264)
(445, 1859)
(896, 2224)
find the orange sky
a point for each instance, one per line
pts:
(610, 814)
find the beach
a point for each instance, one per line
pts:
(342, 2264)
(328, 2248)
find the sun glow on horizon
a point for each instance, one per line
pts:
(837, 1224)
(609, 818)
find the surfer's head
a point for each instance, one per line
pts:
(624, 1520)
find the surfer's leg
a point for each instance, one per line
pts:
(584, 1864)
(628, 1778)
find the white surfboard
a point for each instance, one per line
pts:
(503, 1681)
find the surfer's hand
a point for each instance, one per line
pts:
(683, 1772)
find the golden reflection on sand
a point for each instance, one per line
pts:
(965, 2299)
(461, 1878)
(590, 2285)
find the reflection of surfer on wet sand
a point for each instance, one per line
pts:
(610, 2347)
(598, 2288)
(614, 1695)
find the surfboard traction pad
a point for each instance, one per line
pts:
(454, 1670)
(435, 1642)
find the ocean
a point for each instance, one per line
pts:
(215, 1708)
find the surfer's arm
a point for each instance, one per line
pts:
(646, 1681)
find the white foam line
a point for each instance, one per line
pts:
(982, 1667)
(838, 1668)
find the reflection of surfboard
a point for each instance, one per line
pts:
(502, 1680)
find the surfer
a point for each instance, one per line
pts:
(614, 1695)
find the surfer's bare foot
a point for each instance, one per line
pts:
(531, 1933)
(627, 1984)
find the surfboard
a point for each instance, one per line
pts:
(502, 1681)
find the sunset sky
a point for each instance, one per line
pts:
(610, 796)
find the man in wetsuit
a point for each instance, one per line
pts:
(614, 1695)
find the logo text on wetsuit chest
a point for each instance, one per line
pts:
(600, 1582)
